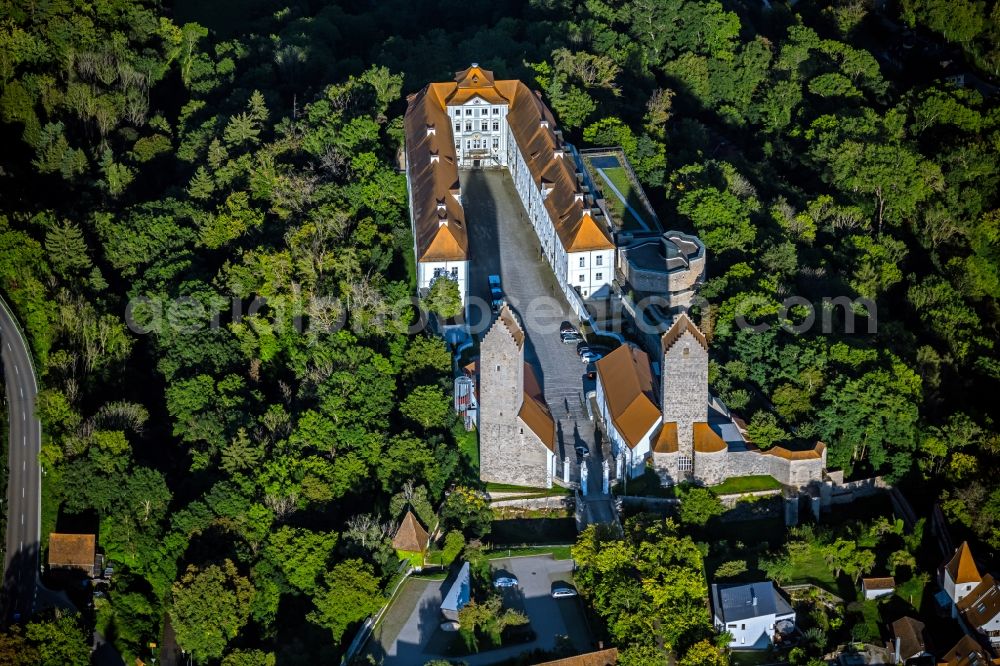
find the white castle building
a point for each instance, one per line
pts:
(476, 121)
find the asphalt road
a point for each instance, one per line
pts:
(24, 487)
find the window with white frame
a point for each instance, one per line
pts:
(598, 276)
(583, 278)
(583, 262)
(454, 271)
(496, 125)
(485, 126)
(685, 464)
(496, 142)
(600, 260)
(458, 127)
(496, 110)
(468, 126)
(468, 112)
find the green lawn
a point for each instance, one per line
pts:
(619, 177)
(557, 552)
(746, 484)
(526, 491)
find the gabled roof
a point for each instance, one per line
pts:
(961, 567)
(741, 601)
(910, 633)
(433, 176)
(681, 325)
(475, 82)
(535, 413)
(507, 318)
(797, 454)
(706, 440)
(967, 652)
(410, 536)
(885, 583)
(628, 389)
(665, 439)
(72, 550)
(982, 604)
(607, 657)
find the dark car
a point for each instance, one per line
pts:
(569, 337)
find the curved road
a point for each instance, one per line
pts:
(24, 486)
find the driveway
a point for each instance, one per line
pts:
(502, 242)
(409, 634)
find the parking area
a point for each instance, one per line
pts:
(502, 242)
(410, 635)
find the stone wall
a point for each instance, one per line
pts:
(665, 465)
(661, 281)
(713, 468)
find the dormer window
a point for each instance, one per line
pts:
(544, 124)
(435, 158)
(441, 207)
(558, 153)
(443, 221)
(547, 188)
(578, 197)
(431, 131)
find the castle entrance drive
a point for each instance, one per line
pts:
(502, 242)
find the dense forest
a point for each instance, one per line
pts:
(166, 166)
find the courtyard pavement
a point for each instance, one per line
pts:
(502, 242)
(409, 634)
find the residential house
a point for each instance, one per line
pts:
(968, 652)
(980, 609)
(873, 588)
(458, 595)
(960, 576)
(754, 614)
(74, 551)
(627, 400)
(410, 540)
(908, 640)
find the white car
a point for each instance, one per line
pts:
(505, 581)
(563, 592)
(591, 356)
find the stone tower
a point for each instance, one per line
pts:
(684, 384)
(501, 393)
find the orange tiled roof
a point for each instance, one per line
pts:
(72, 550)
(707, 440)
(410, 537)
(433, 175)
(961, 567)
(665, 440)
(533, 127)
(982, 604)
(885, 583)
(628, 389)
(600, 658)
(803, 454)
(681, 324)
(535, 413)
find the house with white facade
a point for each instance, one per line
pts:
(960, 576)
(754, 614)
(477, 121)
(626, 397)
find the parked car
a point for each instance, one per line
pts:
(505, 581)
(591, 356)
(582, 451)
(450, 626)
(567, 327)
(563, 592)
(496, 293)
(582, 348)
(569, 337)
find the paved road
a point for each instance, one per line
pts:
(24, 485)
(409, 634)
(503, 242)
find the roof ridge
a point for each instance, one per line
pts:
(681, 324)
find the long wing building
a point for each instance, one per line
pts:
(476, 122)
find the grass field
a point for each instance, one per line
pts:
(557, 552)
(746, 484)
(526, 491)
